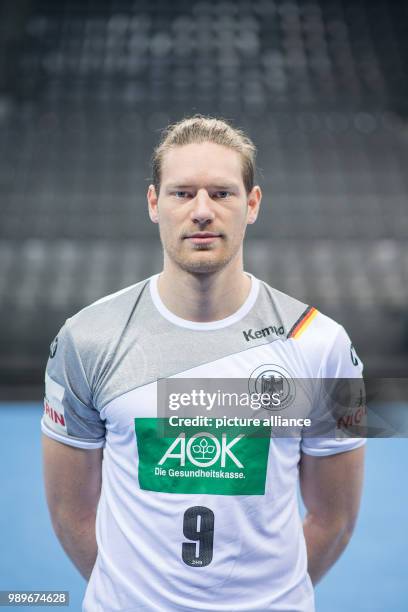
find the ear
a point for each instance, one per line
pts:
(254, 202)
(152, 201)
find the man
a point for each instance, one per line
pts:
(148, 532)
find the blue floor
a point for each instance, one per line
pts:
(371, 576)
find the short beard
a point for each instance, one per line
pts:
(200, 267)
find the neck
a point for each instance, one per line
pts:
(204, 297)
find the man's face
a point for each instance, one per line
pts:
(203, 208)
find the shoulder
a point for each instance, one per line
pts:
(107, 315)
(87, 342)
(326, 346)
(295, 316)
(283, 309)
(315, 326)
(90, 336)
(319, 340)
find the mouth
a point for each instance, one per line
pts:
(203, 237)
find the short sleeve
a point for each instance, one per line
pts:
(69, 415)
(341, 361)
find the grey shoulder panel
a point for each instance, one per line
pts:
(69, 413)
(289, 311)
(98, 329)
(125, 342)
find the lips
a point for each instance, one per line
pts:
(203, 238)
(204, 235)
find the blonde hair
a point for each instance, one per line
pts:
(198, 129)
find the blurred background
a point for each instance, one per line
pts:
(85, 88)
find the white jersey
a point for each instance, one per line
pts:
(206, 521)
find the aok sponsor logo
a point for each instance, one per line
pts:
(227, 461)
(254, 334)
(203, 449)
(55, 416)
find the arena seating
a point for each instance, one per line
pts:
(321, 87)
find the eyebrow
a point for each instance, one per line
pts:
(219, 185)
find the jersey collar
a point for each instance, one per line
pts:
(208, 325)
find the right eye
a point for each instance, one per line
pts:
(181, 194)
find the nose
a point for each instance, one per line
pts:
(202, 211)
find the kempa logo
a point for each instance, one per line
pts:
(202, 449)
(251, 334)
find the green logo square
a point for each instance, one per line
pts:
(218, 461)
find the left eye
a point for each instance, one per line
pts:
(181, 194)
(222, 194)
